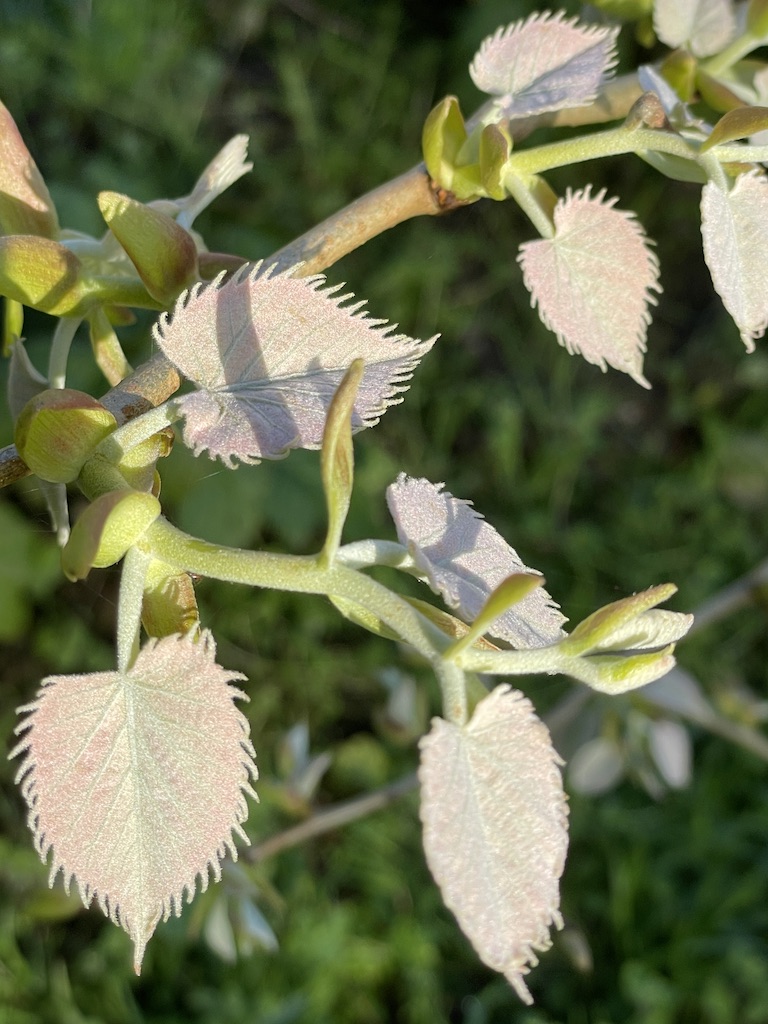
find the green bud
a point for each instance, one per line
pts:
(169, 605)
(26, 207)
(613, 674)
(495, 147)
(507, 594)
(598, 631)
(163, 253)
(337, 461)
(42, 274)
(443, 136)
(109, 526)
(137, 465)
(58, 429)
(679, 70)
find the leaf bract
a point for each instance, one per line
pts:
(495, 829)
(464, 559)
(266, 352)
(136, 781)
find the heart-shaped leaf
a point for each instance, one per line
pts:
(136, 780)
(495, 829)
(593, 281)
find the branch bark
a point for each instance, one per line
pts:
(409, 195)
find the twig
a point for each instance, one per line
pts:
(409, 195)
(332, 818)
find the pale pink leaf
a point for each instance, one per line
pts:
(593, 281)
(136, 781)
(495, 829)
(702, 26)
(464, 559)
(734, 228)
(266, 352)
(546, 62)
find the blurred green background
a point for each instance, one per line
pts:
(605, 487)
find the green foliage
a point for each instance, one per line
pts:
(606, 489)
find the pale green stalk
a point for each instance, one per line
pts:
(297, 573)
(526, 200)
(130, 434)
(134, 573)
(64, 332)
(732, 54)
(611, 142)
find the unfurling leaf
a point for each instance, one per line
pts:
(544, 63)
(737, 124)
(495, 829)
(25, 203)
(702, 26)
(337, 458)
(593, 282)
(163, 253)
(465, 559)
(734, 228)
(267, 352)
(136, 781)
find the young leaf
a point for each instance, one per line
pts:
(267, 352)
(734, 228)
(136, 781)
(593, 281)
(495, 829)
(546, 62)
(337, 459)
(25, 203)
(465, 559)
(702, 26)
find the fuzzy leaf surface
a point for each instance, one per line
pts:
(136, 781)
(734, 228)
(593, 281)
(546, 62)
(465, 559)
(266, 352)
(495, 829)
(702, 26)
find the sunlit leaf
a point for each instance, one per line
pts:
(136, 781)
(734, 228)
(465, 559)
(593, 281)
(546, 62)
(495, 829)
(267, 352)
(702, 26)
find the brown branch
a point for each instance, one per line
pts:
(332, 818)
(409, 195)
